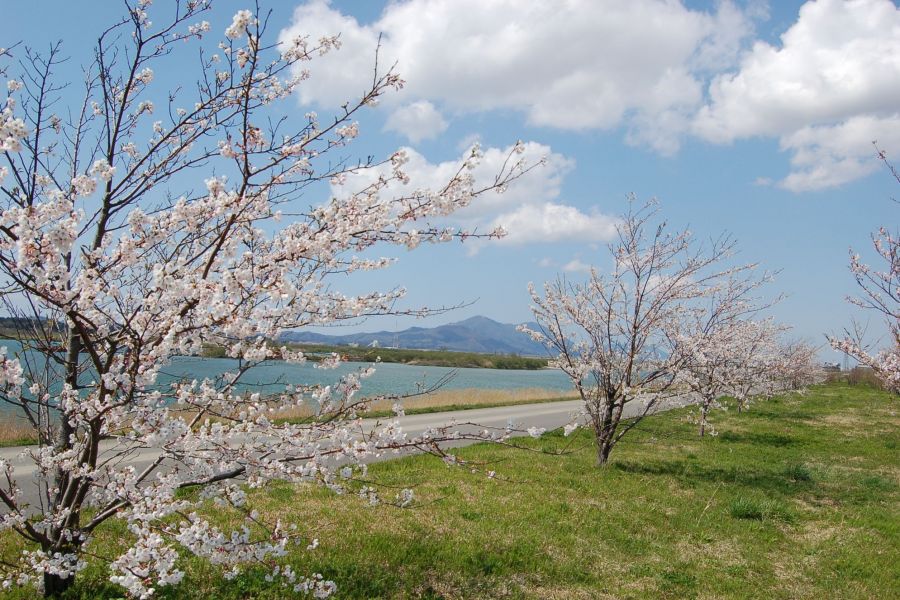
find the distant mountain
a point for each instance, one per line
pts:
(476, 334)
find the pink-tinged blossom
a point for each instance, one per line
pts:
(880, 294)
(12, 129)
(348, 131)
(145, 107)
(103, 170)
(145, 76)
(199, 29)
(536, 432)
(625, 337)
(239, 23)
(84, 185)
(11, 374)
(170, 259)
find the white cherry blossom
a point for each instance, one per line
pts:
(625, 337)
(145, 238)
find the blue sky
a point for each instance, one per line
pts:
(750, 117)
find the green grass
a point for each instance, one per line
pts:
(759, 509)
(797, 472)
(18, 441)
(798, 498)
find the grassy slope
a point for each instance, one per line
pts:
(797, 499)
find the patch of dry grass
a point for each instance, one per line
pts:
(480, 397)
(16, 432)
(459, 399)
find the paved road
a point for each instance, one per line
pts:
(549, 415)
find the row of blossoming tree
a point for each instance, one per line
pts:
(669, 322)
(140, 224)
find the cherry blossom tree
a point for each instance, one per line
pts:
(728, 345)
(624, 336)
(880, 294)
(761, 359)
(734, 358)
(142, 223)
(797, 367)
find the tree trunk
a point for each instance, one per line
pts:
(604, 421)
(63, 434)
(604, 432)
(55, 586)
(604, 447)
(704, 410)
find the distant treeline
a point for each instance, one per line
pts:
(25, 327)
(859, 375)
(435, 358)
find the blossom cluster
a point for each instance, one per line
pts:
(12, 128)
(242, 19)
(126, 269)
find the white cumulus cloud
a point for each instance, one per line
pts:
(530, 209)
(549, 222)
(576, 65)
(576, 265)
(829, 89)
(657, 70)
(417, 121)
(830, 155)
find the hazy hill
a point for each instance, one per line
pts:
(476, 334)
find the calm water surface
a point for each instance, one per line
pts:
(392, 378)
(389, 378)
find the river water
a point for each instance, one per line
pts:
(389, 378)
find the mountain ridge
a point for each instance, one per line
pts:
(475, 334)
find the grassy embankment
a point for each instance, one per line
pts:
(799, 498)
